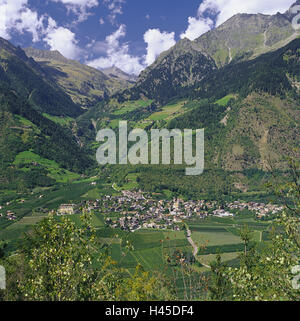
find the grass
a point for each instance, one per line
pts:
(131, 183)
(225, 100)
(55, 172)
(27, 221)
(131, 106)
(215, 238)
(60, 120)
(168, 112)
(26, 122)
(92, 194)
(226, 257)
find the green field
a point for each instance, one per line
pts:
(168, 112)
(131, 106)
(215, 238)
(149, 248)
(225, 100)
(59, 120)
(59, 174)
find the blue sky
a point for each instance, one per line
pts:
(127, 33)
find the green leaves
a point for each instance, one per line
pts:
(61, 262)
(266, 274)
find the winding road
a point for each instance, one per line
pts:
(195, 247)
(189, 234)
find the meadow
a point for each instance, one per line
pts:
(25, 160)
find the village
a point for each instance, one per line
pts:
(132, 211)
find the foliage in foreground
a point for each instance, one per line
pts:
(266, 274)
(57, 263)
(61, 262)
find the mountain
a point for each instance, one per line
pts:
(34, 150)
(262, 122)
(29, 80)
(181, 66)
(250, 109)
(115, 72)
(85, 85)
(243, 37)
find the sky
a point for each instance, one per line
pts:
(128, 34)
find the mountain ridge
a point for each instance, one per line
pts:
(30, 80)
(242, 37)
(85, 85)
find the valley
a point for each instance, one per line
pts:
(239, 82)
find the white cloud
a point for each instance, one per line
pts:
(116, 8)
(197, 27)
(16, 16)
(228, 8)
(63, 40)
(157, 42)
(101, 21)
(117, 54)
(79, 7)
(81, 3)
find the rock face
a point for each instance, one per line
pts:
(117, 73)
(245, 36)
(85, 85)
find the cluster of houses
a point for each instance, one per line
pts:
(260, 209)
(137, 210)
(133, 210)
(11, 216)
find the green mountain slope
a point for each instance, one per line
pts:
(31, 81)
(263, 122)
(250, 111)
(34, 151)
(85, 85)
(181, 66)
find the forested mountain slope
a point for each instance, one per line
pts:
(34, 151)
(29, 80)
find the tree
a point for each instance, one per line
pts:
(3, 245)
(219, 288)
(267, 274)
(62, 262)
(246, 236)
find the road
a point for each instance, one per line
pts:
(195, 247)
(189, 234)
